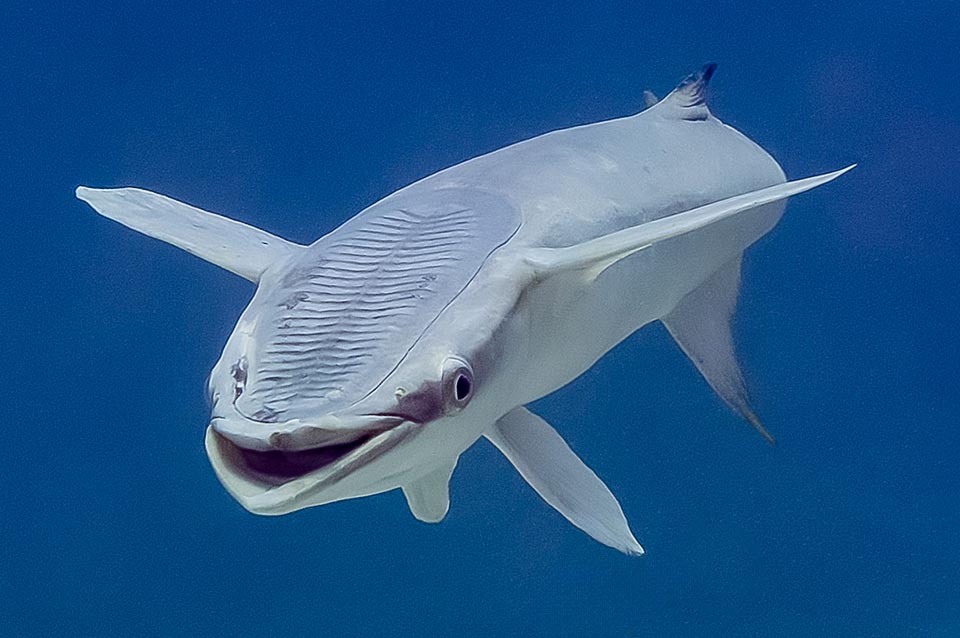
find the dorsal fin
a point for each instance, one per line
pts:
(688, 100)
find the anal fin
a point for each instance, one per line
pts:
(700, 324)
(429, 495)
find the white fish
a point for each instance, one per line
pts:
(373, 358)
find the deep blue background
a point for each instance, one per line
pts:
(112, 522)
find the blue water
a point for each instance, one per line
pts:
(111, 520)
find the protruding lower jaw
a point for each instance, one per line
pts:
(278, 481)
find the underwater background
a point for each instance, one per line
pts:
(292, 118)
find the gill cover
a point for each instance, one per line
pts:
(347, 309)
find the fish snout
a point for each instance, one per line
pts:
(277, 480)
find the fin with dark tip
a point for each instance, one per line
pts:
(700, 324)
(688, 100)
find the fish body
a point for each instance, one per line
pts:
(373, 358)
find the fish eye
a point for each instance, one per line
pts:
(462, 388)
(457, 384)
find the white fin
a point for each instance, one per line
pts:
(241, 249)
(596, 255)
(650, 98)
(429, 496)
(551, 468)
(700, 324)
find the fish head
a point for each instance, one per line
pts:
(422, 410)
(353, 365)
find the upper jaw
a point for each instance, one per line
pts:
(296, 434)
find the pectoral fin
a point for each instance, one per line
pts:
(551, 468)
(241, 249)
(596, 255)
(700, 324)
(429, 496)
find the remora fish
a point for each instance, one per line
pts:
(374, 357)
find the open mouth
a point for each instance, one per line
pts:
(280, 481)
(276, 467)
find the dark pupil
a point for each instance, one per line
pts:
(463, 387)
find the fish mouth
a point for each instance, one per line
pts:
(278, 481)
(276, 467)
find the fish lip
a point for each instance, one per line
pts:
(299, 435)
(267, 498)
